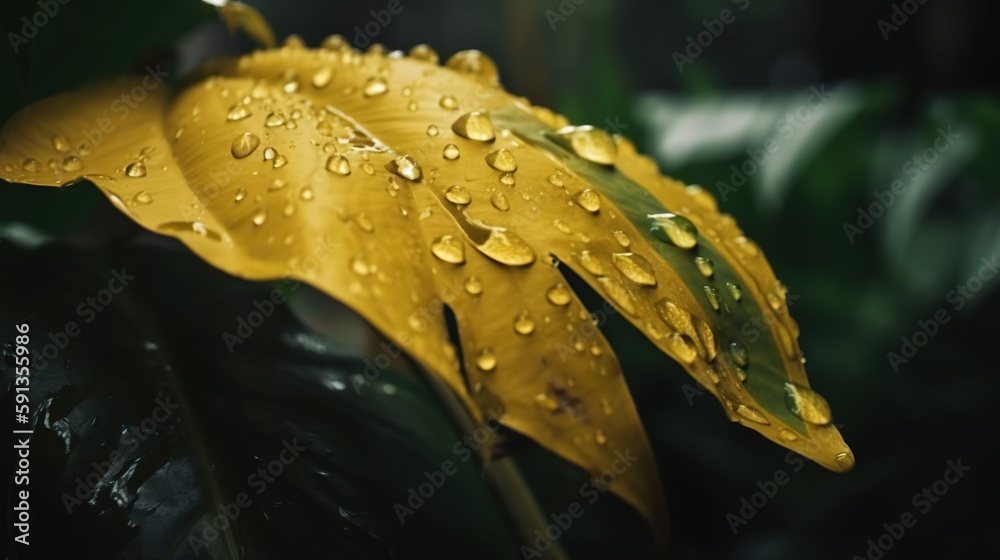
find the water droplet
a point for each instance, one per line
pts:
(559, 294)
(600, 438)
(787, 435)
(259, 217)
(739, 353)
(31, 165)
(588, 199)
(486, 359)
(845, 460)
(752, 414)
(501, 160)
(368, 168)
(406, 167)
(475, 126)
(635, 267)
(450, 152)
(622, 238)
(682, 347)
(288, 211)
(807, 404)
(360, 266)
(142, 197)
(523, 324)
(136, 169)
(269, 153)
(238, 112)
(338, 164)
(425, 53)
(244, 145)
(592, 144)
(306, 193)
(277, 185)
(555, 180)
(458, 194)
(713, 297)
(448, 102)
(500, 202)
(322, 77)
(412, 106)
(606, 407)
(590, 263)
(620, 295)
(707, 338)
(72, 163)
(546, 401)
(734, 291)
(506, 247)
(241, 193)
(508, 179)
(704, 266)
(61, 143)
(475, 62)
(774, 301)
(280, 161)
(448, 249)
(674, 229)
(275, 119)
(473, 285)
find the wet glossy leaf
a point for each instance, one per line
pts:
(399, 186)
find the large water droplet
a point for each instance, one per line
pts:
(559, 294)
(448, 249)
(61, 143)
(238, 112)
(72, 163)
(506, 247)
(136, 169)
(500, 202)
(807, 404)
(752, 414)
(486, 359)
(524, 324)
(457, 194)
(245, 144)
(713, 297)
(31, 165)
(590, 263)
(588, 199)
(704, 266)
(322, 77)
(450, 152)
(501, 160)
(475, 126)
(635, 267)
(275, 119)
(739, 353)
(338, 164)
(406, 167)
(592, 144)
(475, 62)
(375, 86)
(473, 285)
(674, 229)
(734, 291)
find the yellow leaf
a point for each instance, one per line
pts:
(399, 186)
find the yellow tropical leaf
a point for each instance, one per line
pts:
(400, 187)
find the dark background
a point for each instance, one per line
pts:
(612, 63)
